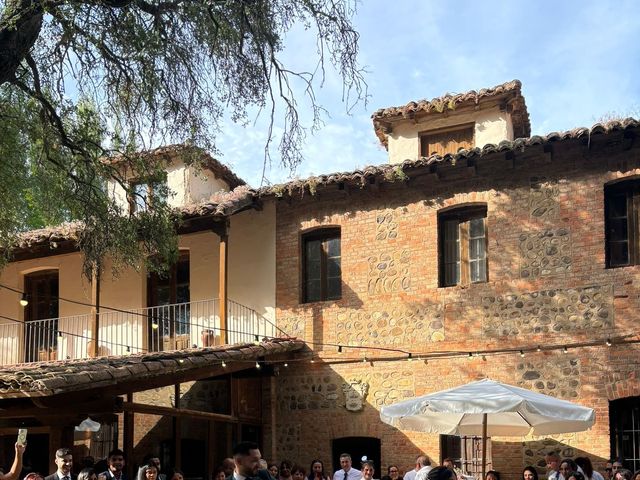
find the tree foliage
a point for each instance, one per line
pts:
(83, 80)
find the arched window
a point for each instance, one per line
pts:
(321, 265)
(462, 244)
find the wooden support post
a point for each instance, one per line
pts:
(222, 284)
(212, 448)
(177, 430)
(95, 312)
(128, 435)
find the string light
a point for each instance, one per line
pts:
(539, 349)
(410, 357)
(565, 350)
(608, 342)
(257, 365)
(224, 364)
(286, 364)
(470, 355)
(522, 353)
(24, 301)
(59, 335)
(154, 324)
(256, 340)
(339, 348)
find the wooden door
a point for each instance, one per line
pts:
(41, 316)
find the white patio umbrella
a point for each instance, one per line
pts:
(488, 408)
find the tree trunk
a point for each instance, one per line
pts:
(20, 25)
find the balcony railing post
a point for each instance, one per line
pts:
(95, 311)
(222, 285)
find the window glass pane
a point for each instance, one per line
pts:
(140, 192)
(312, 290)
(451, 273)
(618, 253)
(333, 267)
(617, 205)
(478, 271)
(618, 229)
(313, 270)
(313, 249)
(476, 249)
(476, 227)
(333, 247)
(334, 288)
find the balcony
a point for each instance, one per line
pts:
(123, 332)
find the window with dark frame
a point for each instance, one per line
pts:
(462, 242)
(622, 210)
(321, 265)
(449, 140)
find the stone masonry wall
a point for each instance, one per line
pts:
(547, 285)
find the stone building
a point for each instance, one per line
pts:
(478, 243)
(477, 251)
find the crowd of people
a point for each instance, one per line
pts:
(248, 464)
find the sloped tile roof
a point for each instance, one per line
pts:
(51, 378)
(220, 205)
(450, 101)
(169, 152)
(388, 172)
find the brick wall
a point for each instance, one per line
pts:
(547, 285)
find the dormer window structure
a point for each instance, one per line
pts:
(446, 140)
(447, 124)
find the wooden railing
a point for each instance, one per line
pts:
(167, 327)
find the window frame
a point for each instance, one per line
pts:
(631, 190)
(463, 214)
(443, 131)
(324, 234)
(151, 192)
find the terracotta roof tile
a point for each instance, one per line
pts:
(220, 205)
(450, 101)
(169, 152)
(50, 378)
(388, 172)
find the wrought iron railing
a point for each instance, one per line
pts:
(167, 327)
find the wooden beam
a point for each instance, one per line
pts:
(95, 311)
(222, 284)
(111, 405)
(176, 412)
(128, 434)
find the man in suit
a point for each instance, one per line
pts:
(246, 456)
(116, 466)
(64, 462)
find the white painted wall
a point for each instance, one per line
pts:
(491, 126)
(251, 283)
(185, 184)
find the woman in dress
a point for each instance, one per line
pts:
(317, 472)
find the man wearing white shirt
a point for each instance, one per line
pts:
(411, 475)
(425, 468)
(246, 456)
(347, 472)
(553, 465)
(64, 462)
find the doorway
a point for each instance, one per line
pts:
(41, 316)
(169, 314)
(36, 457)
(624, 424)
(357, 447)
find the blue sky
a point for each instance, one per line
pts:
(577, 61)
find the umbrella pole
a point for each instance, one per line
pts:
(484, 445)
